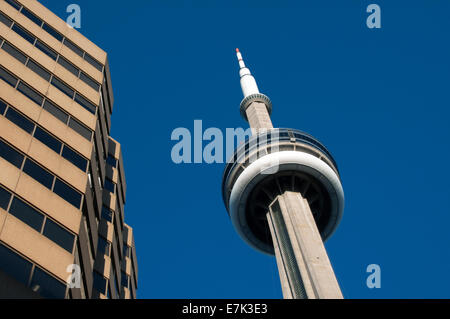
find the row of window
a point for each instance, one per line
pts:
(41, 175)
(36, 220)
(72, 94)
(38, 133)
(49, 106)
(30, 274)
(58, 36)
(50, 53)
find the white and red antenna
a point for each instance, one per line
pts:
(248, 83)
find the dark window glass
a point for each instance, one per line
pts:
(5, 196)
(27, 214)
(13, 3)
(5, 20)
(62, 87)
(126, 251)
(11, 155)
(99, 283)
(14, 52)
(39, 70)
(107, 214)
(49, 52)
(68, 193)
(20, 120)
(89, 81)
(113, 280)
(2, 107)
(111, 160)
(59, 235)
(85, 103)
(69, 66)
(55, 111)
(74, 158)
(47, 139)
(73, 47)
(80, 129)
(124, 280)
(38, 173)
(8, 77)
(93, 62)
(109, 185)
(14, 265)
(47, 286)
(103, 246)
(23, 33)
(52, 32)
(31, 16)
(30, 93)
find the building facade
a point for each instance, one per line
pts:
(62, 182)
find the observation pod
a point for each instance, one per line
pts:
(268, 165)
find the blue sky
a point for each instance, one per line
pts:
(378, 99)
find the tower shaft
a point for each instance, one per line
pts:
(303, 264)
(258, 117)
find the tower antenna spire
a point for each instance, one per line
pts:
(248, 83)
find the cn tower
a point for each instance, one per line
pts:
(284, 195)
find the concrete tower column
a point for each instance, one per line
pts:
(258, 117)
(303, 264)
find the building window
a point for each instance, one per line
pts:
(46, 50)
(31, 16)
(20, 31)
(59, 235)
(14, 4)
(89, 81)
(52, 32)
(74, 158)
(8, 77)
(107, 214)
(38, 70)
(99, 283)
(93, 62)
(85, 103)
(38, 173)
(30, 93)
(80, 129)
(111, 160)
(73, 47)
(125, 280)
(5, 196)
(5, 20)
(56, 112)
(69, 66)
(62, 87)
(67, 193)
(14, 265)
(103, 246)
(11, 155)
(109, 185)
(46, 285)
(14, 52)
(20, 120)
(48, 140)
(26, 214)
(2, 107)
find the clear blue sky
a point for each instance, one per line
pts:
(378, 99)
